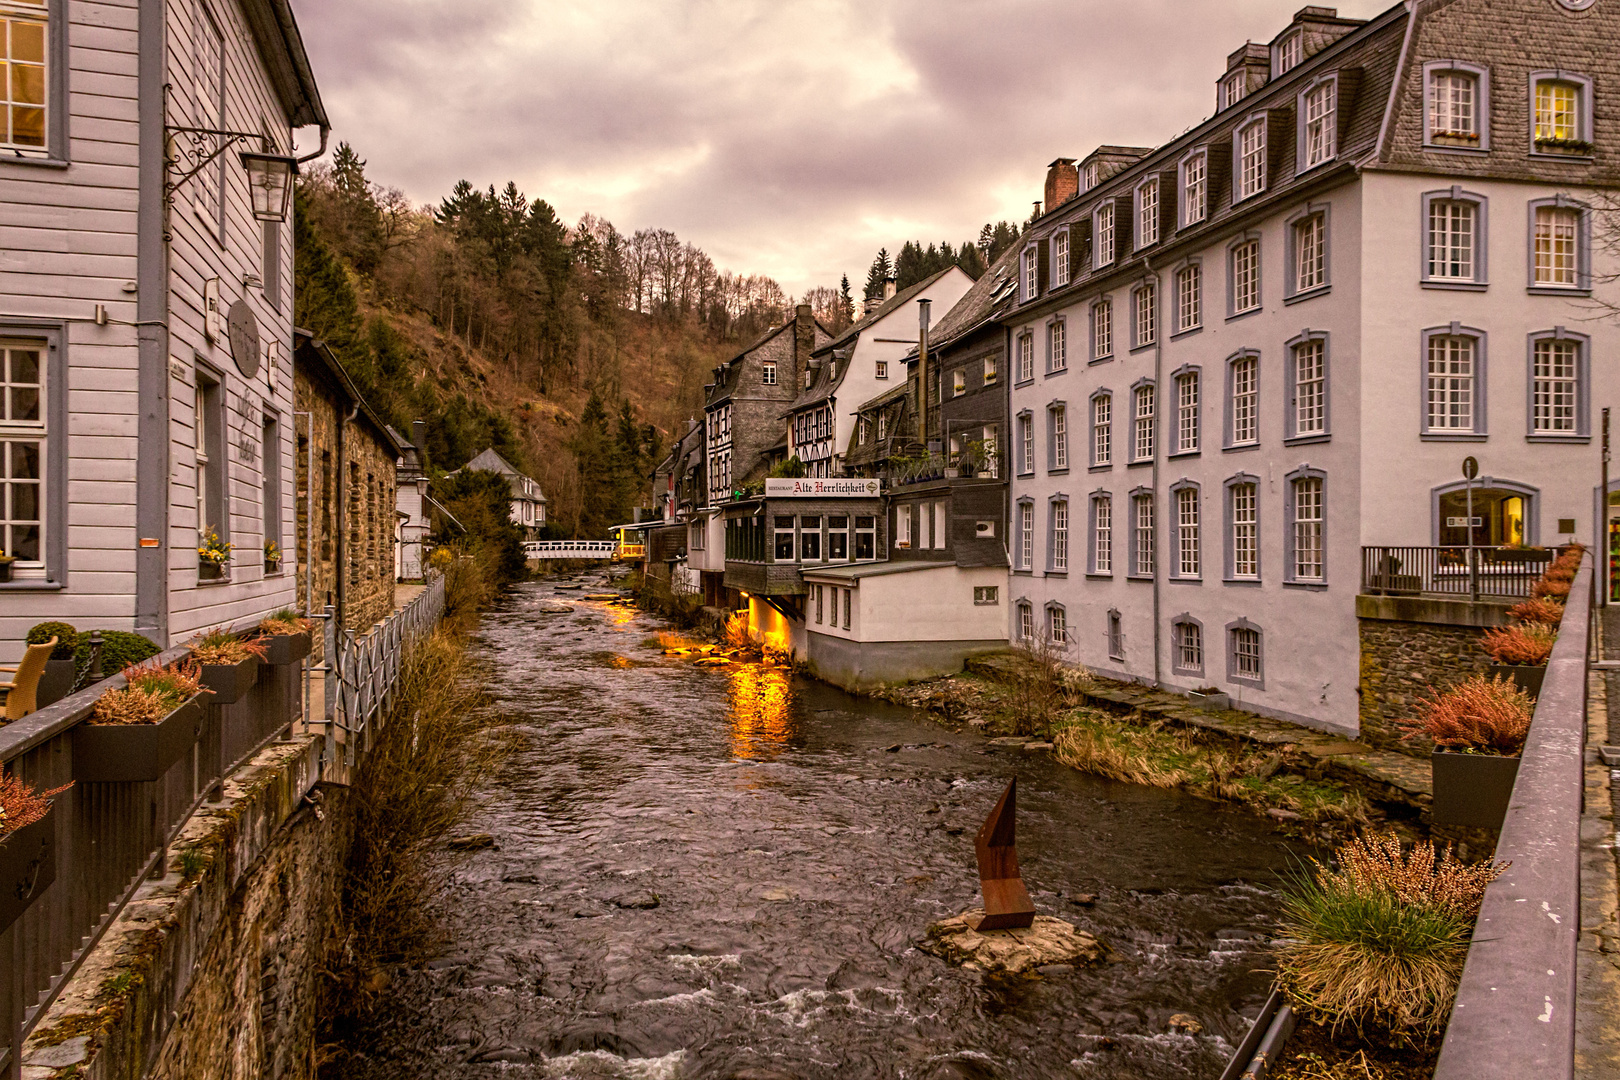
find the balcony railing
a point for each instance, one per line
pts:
(1479, 573)
(966, 463)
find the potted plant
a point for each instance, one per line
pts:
(1521, 652)
(27, 846)
(272, 557)
(286, 637)
(1210, 698)
(1478, 728)
(212, 555)
(229, 664)
(61, 668)
(5, 565)
(136, 732)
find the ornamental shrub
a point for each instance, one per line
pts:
(1526, 643)
(1478, 715)
(66, 637)
(1540, 610)
(119, 649)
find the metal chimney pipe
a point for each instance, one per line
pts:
(923, 314)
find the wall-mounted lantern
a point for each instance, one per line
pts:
(270, 182)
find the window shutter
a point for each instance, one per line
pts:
(1124, 226)
(1169, 202)
(1281, 153)
(1218, 176)
(1043, 265)
(1349, 84)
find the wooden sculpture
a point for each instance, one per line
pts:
(1006, 902)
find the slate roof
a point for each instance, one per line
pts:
(489, 461)
(979, 304)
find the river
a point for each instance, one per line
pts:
(722, 873)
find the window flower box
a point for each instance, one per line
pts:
(27, 866)
(230, 682)
(283, 650)
(272, 566)
(1472, 789)
(133, 753)
(210, 571)
(1575, 147)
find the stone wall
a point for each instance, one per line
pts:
(1409, 648)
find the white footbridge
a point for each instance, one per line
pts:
(573, 549)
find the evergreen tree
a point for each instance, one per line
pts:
(846, 302)
(877, 275)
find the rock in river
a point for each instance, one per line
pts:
(1010, 952)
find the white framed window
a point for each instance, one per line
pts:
(1194, 188)
(1251, 159)
(838, 537)
(881, 369)
(1102, 329)
(1319, 129)
(1309, 236)
(1558, 235)
(1244, 376)
(1026, 444)
(985, 596)
(1559, 367)
(1189, 563)
(1102, 231)
(1147, 213)
(782, 535)
(1244, 514)
(1089, 176)
(1142, 534)
(24, 448)
(1026, 535)
(1187, 412)
(1307, 519)
(1031, 277)
(990, 369)
(1026, 621)
(1057, 625)
(1233, 88)
(1454, 239)
(1060, 258)
(882, 425)
(958, 382)
(1189, 299)
(1060, 535)
(1452, 383)
(767, 373)
(1561, 113)
(1058, 418)
(1102, 429)
(1188, 639)
(1058, 336)
(1026, 357)
(1146, 323)
(24, 94)
(1309, 377)
(1244, 648)
(1457, 111)
(1291, 52)
(208, 89)
(1142, 443)
(1245, 276)
(866, 536)
(1116, 635)
(1102, 534)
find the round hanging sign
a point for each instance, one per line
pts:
(244, 333)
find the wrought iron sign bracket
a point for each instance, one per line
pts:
(188, 148)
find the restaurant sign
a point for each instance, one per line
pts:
(822, 488)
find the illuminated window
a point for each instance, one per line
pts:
(23, 94)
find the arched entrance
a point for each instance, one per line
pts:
(1504, 514)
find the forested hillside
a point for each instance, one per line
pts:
(576, 351)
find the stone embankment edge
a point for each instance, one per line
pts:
(113, 1018)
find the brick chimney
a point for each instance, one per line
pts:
(804, 342)
(1062, 183)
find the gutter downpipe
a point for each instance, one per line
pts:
(1161, 518)
(343, 521)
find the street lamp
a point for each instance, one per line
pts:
(270, 183)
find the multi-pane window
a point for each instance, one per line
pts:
(1102, 429)
(1143, 442)
(1026, 535)
(1307, 526)
(767, 374)
(866, 537)
(208, 87)
(1251, 178)
(1102, 534)
(1116, 636)
(1245, 400)
(1556, 380)
(1310, 253)
(1060, 259)
(1031, 273)
(1026, 622)
(1102, 329)
(1245, 530)
(1291, 52)
(1187, 548)
(1453, 105)
(1142, 541)
(1557, 239)
(1060, 535)
(1147, 214)
(810, 538)
(1147, 314)
(783, 537)
(1310, 387)
(1194, 182)
(1060, 346)
(1189, 302)
(1451, 239)
(1558, 117)
(22, 448)
(1451, 363)
(838, 537)
(1232, 89)
(1189, 646)
(1088, 178)
(1245, 276)
(1058, 418)
(1187, 412)
(1026, 444)
(1026, 357)
(1057, 626)
(1245, 653)
(1321, 133)
(1103, 235)
(23, 93)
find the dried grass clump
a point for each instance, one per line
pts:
(220, 646)
(152, 693)
(1525, 643)
(21, 805)
(1379, 943)
(1488, 716)
(1039, 686)
(1539, 610)
(285, 622)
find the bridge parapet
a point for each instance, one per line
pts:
(576, 549)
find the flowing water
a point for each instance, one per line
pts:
(723, 873)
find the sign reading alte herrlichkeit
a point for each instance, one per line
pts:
(811, 487)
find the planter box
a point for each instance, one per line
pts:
(230, 682)
(1526, 677)
(272, 566)
(27, 866)
(1472, 789)
(56, 683)
(5, 569)
(210, 571)
(131, 753)
(282, 650)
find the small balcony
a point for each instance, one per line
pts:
(1503, 574)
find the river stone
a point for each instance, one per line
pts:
(475, 842)
(63, 1054)
(1010, 952)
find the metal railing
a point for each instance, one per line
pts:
(570, 549)
(1477, 573)
(966, 464)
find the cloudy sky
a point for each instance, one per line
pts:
(785, 137)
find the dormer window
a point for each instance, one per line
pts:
(1233, 88)
(1102, 231)
(1194, 187)
(1560, 114)
(1319, 124)
(1459, 108)
(1251, 155)
(767, 374)
(1147, 213)
(1031, 273)
(1089, 177)
(1060, 259)
(1291, 53)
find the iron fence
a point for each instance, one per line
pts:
(1477, 573)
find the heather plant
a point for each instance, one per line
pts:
(285, 621)
(1478, 715)
(1379, 942)
(151, 694)
(1525, 643)
(1555, 590)
(21, 804)
(1540, 610)
(220, 646)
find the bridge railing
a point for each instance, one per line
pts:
(575, 549)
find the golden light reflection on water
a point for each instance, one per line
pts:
(760, 700)
(621, 615)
